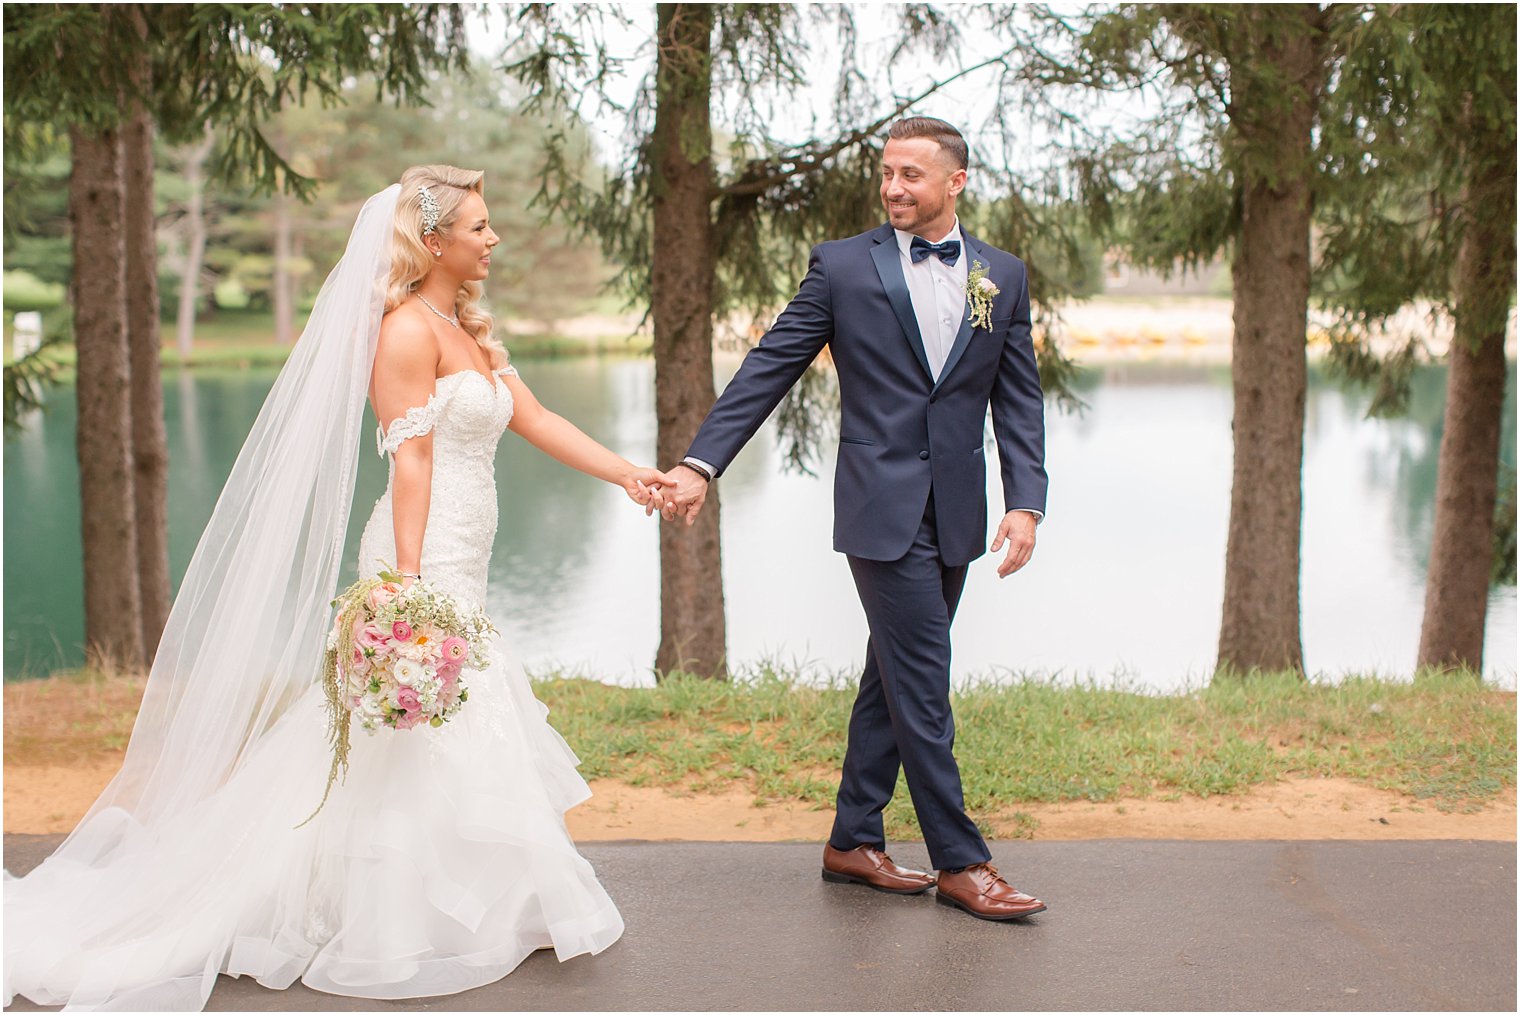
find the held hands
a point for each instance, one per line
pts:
(679, 493)
(683, 498)
(649, 488)
(1017, 530)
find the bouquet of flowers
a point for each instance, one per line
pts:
(394, 659)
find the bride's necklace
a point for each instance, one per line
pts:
(454, 319)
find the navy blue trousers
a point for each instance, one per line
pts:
(902, 713)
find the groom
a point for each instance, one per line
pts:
(916, 377)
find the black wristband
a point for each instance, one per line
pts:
(699, 471)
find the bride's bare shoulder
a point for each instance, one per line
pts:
(406, 339)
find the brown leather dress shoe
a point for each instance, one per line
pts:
(983, 893)
(867, 865)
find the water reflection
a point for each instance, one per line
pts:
(1127, 578)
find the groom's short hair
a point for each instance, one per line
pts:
(938, 131)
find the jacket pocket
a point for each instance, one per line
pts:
(857, 440)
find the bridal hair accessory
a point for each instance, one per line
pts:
(430, 210)
(394, 659)
(980, 292)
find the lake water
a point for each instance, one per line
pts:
(1127, 578)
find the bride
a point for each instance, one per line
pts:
(442, 860)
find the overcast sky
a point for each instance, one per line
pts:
(968, 102)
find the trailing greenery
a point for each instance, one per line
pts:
(1450, 739)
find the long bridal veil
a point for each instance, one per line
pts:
(245, 637)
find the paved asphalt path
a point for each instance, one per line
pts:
(1132, 924)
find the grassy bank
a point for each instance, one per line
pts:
(1449, 742)
(246, 340)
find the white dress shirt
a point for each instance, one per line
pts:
(938, 292)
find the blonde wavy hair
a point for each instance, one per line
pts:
(411, 260)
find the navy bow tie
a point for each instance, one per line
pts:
(948, 251)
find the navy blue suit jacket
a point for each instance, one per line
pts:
(901, 435)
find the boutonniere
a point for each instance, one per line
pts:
(980, 292)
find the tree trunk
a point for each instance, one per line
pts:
(112, 602)
(692, 626)
(1275, 84)
(195, 244)
(281, 291)
(150, 450)
(1456, 590)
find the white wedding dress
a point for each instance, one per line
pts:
(438, 865)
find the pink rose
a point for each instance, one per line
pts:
(407, 698)
(369, 636)
(401, 631)
(382, 594)
(455, 649)
(407, 720)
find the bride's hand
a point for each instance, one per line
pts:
(645, 487)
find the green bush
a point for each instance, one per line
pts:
(230, 294)
(25, 291)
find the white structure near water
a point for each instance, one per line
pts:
(26, 333)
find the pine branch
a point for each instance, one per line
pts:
(752, 185)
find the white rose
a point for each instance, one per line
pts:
(987, 286)
(406, 672)
(370, 713)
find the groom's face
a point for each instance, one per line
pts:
(919, 183)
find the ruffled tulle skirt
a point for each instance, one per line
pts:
(438, 865)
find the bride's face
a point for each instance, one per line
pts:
(466, 251)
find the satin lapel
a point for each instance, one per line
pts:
(888, 261)
(962, 337)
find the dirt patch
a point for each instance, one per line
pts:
(45, 799)
(1293, 809)
(70, 721)
(51, 798)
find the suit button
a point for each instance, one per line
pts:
(924, 455)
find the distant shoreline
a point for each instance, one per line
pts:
(1096, 332)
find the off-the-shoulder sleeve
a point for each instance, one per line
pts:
(418, 421)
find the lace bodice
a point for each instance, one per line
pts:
(466, 414)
